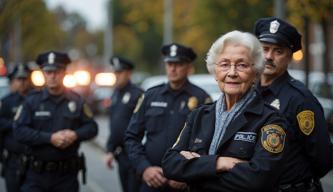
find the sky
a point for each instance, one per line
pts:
(94, 11)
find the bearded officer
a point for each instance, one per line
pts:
(161, 113)
(53, 122)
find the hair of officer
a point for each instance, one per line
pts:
(239, 38)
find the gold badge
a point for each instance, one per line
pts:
(138, 104)
(18, 112)
(192, 103)
(306, 121)
(273, 138)
(72, 106)
(126, 98)
(87, 110)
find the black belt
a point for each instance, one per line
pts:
(308, 185)
(69, 165)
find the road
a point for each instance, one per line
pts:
(101, 179)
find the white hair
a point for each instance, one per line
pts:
(239, 38)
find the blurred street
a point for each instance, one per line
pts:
(101, 179)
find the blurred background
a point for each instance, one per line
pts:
(91, 31)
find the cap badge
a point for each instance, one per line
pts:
(72, 106)
(51, 58)
(173, 50)
(274, 27)
(116, 63)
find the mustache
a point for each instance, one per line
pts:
(270, 62)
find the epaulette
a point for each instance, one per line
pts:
(299, 86)
(156, 86)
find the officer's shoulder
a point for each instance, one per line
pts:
(198, 90)
(299, 87)
(7, 97)
(72, 95)
(136, 89)
(155, 88)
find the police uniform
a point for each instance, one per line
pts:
(160, 116)
(308, 159)
(257, 135)
(13, 150)
(123, 102)
(41, 115)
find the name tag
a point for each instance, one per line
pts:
(246, 136)
(158, 104)
(42, 113)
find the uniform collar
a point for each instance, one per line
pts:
(126, 87)
(277, 84)
(186, 87)
(46, 95)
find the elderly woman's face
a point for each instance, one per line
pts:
(234, 70)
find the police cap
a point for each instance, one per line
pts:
(19, 71)
(176, 53)
(52, 60)
(120, 64)
(277, 31)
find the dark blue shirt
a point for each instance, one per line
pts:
(310, 143)
(159, 116)
(8, 108)
(42, 115)
(123, 102)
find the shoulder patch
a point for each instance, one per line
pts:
(87, 111)
(273, 138)
(192, 103)
(18, 113)
(138, 104)
(306, 121)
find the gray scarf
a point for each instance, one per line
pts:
(224, 117)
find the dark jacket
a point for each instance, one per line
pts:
(42, 115)
(123, 102)
(244, 139)
(159, 116)
(310, 143)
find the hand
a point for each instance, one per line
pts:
(189, 154)
(70, 135)
(153, 176)
(58, 140)
(226, 163)
(64, 138)
(109, 160)
(177, 185)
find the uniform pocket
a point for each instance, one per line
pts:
(154, 119)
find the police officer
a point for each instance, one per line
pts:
(13, 171)
(123, 102)
(308, 158)
(161, 113)
(53, 122)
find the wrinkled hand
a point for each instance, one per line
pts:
(64, 138)
(226, 163)
(108, 159)
(189, 154)
(177, 185)
(153, 176)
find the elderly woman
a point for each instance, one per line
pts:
(236, 143)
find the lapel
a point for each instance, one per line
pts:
(255, 107)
